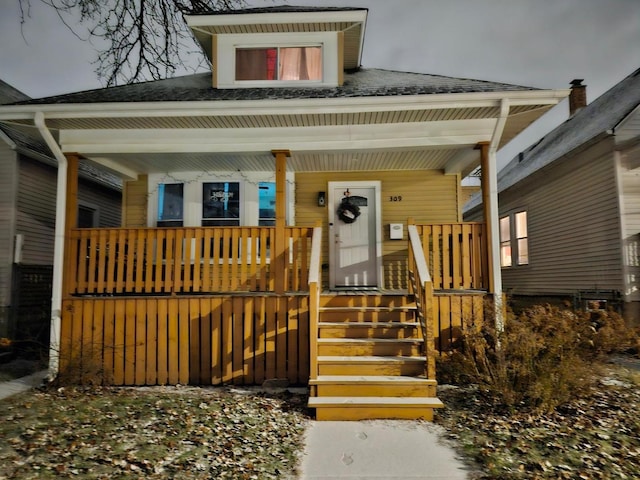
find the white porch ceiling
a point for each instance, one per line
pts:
(145, 163)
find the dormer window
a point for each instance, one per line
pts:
(281, 46)
(279, 63)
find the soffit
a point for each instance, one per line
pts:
(406, 159)
(221, 120)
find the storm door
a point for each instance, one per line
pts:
(354, 235)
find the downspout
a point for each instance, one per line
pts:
(58, 246)
(494, 224)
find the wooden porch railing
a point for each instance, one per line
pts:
(422, 286)
(160, 261)
(456, 254)
(314, 300)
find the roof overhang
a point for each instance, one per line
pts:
(351, 22)
(363, 133)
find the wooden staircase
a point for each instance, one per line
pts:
(370, 360)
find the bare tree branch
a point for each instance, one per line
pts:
(136, 40)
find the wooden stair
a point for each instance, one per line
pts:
(371, 362)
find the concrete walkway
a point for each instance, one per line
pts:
(21, 384)
(379, 449)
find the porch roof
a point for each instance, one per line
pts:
(378, 120)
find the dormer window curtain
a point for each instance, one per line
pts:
(279, 63)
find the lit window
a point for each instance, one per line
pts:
(267, 204)
(514, 241)
(521, 237)
(170, 204)
(505, 242)
(279, 63)
(220, 204)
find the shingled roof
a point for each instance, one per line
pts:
(600, 116)
(363, 83)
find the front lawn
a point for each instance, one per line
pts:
(155, 432)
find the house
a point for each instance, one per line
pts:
(27, 200)
(287, 215)
(570, 207)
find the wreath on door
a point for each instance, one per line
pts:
(347, 211)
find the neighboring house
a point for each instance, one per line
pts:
(27, 203)
(280, 212)
(570, 207)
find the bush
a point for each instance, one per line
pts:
(544, 357)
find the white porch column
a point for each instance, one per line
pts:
(58, 246)
(492, 220)
(491, 213)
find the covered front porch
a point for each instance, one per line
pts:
(208, 305)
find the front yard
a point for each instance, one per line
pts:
(227, 432)
(159, 432)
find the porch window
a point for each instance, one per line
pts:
(220, 204)
(279, 63)
(170, 204)
(514, 241)
(267, 204)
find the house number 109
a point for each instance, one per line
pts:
(395, 198)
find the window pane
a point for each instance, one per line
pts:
(170, 201)
(300, 63)
(521, 224)
(267, 204)
(505, 255)
(221, 203)
(256, 63)
(505, 229)
(523, 251)
(87, 217)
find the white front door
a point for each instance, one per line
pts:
(354, 235)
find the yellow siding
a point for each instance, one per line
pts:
(134, 203)
(428, 196)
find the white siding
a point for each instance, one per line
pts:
(630, 200)
(36, 211)
(573, 216)
(37, 207)
(8, 181)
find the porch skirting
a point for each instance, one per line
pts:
(240, 339)
(212, 340)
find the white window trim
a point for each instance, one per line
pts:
(226, 57)
(513, 239)
(192, 195)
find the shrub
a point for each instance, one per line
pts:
(544, 357)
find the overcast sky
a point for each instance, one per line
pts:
(538, 43)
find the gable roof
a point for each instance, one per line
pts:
(362, 83)
(601, 116)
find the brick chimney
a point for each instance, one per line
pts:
(578, 96)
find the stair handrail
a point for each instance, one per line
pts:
(315, 281)
(422, 285)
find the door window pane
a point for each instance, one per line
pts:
(170, 204)
(221, 204)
